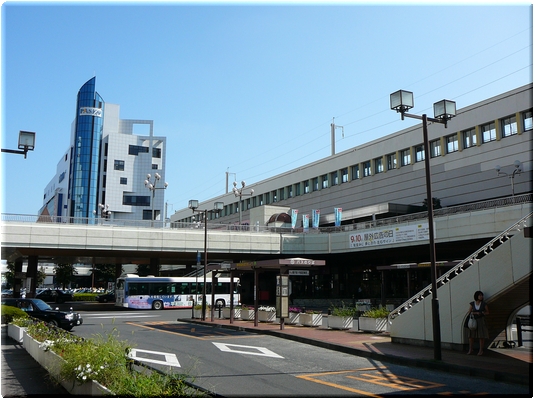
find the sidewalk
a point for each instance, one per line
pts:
(505, 365)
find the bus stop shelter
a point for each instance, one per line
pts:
(285, 266)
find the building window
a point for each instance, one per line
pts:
(378, 162)
(391, 161)
(268, 201)
(419, 152)
(156, 152)
(118, 165)
(130, 200)
(248, 204)
(469, 138)
(509, 127)
(435, 148)
(324, 181)
(306, 187)
(334, 178)
(281, 194)
(366, 168)
(134, 150)
(527, 117)
(290, 191)
(488, 132)
(452, 144)
(274, 196)
(315, 184)
(154, 166)
(104, 181)
(355, 172)
(405, 157)
(261, 200)
(345, 175)
(123, 181)
(255, 202)
(147, 215)
(298, 189)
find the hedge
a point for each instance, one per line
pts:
(10, 312)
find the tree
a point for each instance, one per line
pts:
(143, 269)
(104, 273)
(10, 274)
(64, 274)
(436, 204)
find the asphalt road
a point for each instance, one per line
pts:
(237, 364)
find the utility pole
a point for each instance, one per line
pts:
(333, 128)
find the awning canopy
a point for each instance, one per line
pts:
(282, 264)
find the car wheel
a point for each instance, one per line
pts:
(157, 305)
(53, 322)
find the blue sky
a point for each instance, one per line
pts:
(248, 89)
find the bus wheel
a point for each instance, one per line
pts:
(157, 305)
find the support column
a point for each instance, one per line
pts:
(154, 267)
(17, 283)
(256, 297)
(31, 273)
(118, 270)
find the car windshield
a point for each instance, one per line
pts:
(41, 305)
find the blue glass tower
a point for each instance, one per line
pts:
(86, 152)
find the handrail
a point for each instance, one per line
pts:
(461, 266)
(158, 224)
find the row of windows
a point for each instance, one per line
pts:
(118, 165)
(474, 136)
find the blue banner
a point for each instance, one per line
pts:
(305, 222)
(337, 216)
(315, 219)
(294, 218)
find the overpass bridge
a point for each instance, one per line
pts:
(505, 275)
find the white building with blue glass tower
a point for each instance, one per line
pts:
(102, 174)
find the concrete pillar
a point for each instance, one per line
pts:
(17, 283)
(155, 266)
(31, 273)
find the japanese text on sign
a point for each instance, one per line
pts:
(389, 236)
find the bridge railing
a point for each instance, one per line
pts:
(464, 208)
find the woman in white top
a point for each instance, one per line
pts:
(479, 309)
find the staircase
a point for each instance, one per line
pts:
(502, 269)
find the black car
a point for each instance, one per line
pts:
(105, 297)
(54, 296)
(37, 308)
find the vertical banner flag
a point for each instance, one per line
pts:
(294, 218)
(315, 219)
(337, 216)
(305, 222)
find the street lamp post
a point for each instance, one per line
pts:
(104, 211)
(218, 206)
(517, 170)
(239, 193)
(26, 143)
(152, 187)
(444, 110)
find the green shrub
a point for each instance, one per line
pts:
(85, 297)
(343, 311)
(10, 312)
(199, 307)
(380, 312)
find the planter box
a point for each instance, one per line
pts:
(52, 363)
(226, 313)
(335, 322)
(198, 313)
(310, 319)
(373, 324)
(293, 318)
(247, 315)
(15, 332)
(266, 316)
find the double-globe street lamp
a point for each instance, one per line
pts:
(517, 170)
(238, 192)
(152, 187)
(444, 110)
(218, 206)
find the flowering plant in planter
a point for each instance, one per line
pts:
(343, 311)
(266, 308)
(294, 309)
(312, 312)
(105, 359)
(381, 312)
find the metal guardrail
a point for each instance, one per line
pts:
(462, 266)
(407, 218)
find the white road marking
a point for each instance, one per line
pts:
(253, 350)
(170, 359)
